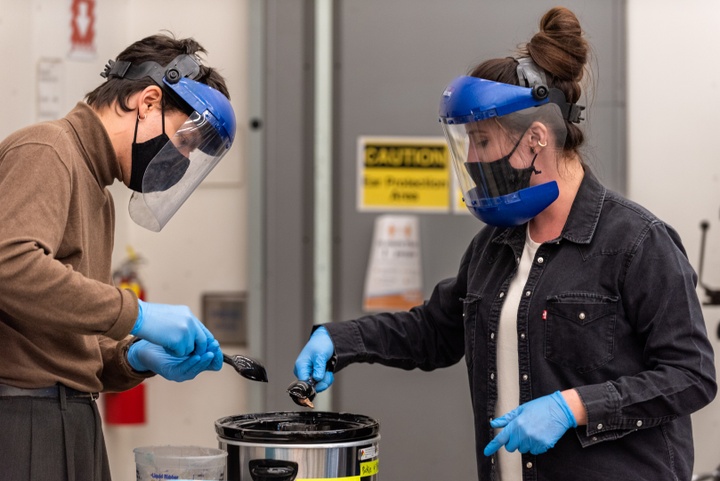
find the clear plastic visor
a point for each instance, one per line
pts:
(496, 157)
(176, 171)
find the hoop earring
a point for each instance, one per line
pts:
(542, 145)
(141, 118)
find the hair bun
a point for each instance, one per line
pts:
(560, 47)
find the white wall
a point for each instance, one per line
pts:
(17, 93)
(674, 149)
(203, 248)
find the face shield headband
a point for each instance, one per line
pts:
(485, 124)
(192, 152)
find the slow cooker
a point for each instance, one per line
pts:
(298, 446)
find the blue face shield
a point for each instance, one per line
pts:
(204, 138)
(485, 123)
(187, 157)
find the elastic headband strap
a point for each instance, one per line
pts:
(182, 66)
(531, 76)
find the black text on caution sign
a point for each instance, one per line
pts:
(403, 174)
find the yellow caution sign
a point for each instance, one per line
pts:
(403, 174)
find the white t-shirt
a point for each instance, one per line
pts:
(508, 370)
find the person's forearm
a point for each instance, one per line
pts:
(572, 398)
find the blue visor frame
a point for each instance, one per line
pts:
(470, 99)
(209, 103)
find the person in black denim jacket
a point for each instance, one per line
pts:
(575, 309)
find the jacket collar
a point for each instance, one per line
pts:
(95, 144)
(585, 212)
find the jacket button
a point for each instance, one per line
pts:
(501, 295)
(492, 375)
(524, 377)
(599, 426)
(522, 336)
(581, 316)
(529, 465)
(540, 260)
(528, 293)
(492, 336)
(638, 424)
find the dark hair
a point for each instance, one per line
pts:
(157, 48)
(560, 49)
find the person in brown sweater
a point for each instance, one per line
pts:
(159, 123)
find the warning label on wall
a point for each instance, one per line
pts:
(82, 24)
(403, 173)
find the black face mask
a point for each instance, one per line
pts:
(499, 177)
(171, 163)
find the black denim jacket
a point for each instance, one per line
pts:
(610, 308)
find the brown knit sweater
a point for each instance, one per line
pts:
(61, 319)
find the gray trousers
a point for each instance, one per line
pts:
(48, 439)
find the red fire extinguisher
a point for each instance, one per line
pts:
(127, 407)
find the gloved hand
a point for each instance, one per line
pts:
(146, 356)
(533, 427)
(173, 327)
(313, 359)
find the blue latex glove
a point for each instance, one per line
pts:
(313, 360)
(533, 427)
(173, 327)
(146, 356)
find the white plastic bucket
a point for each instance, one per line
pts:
(181, 463)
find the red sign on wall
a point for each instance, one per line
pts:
(82, 27)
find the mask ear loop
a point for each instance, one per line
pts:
(162, 111)
(532, 163)
(137, 121)
(532, 150)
